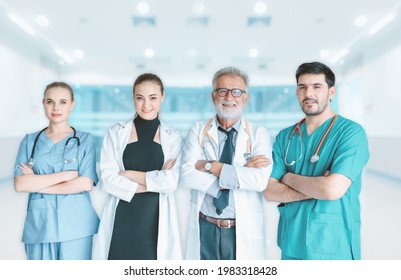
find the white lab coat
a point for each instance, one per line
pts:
(248, 199)
(119, 187)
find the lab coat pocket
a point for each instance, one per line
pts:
(323, 233)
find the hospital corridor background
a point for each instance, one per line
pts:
(185, 42)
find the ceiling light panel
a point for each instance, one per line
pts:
(198, 8)
(42, 20)
(260, 8)
(143, 8)
(360, 20)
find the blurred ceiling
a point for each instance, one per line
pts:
(185, 40)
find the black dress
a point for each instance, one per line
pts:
(136, 223)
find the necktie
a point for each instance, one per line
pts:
(221, 201)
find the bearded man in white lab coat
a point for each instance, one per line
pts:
(226, 164)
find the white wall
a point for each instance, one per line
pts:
(23, 78)
(382, 84)
(19, 88)
(370, 95)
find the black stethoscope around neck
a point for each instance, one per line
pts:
(31, 161)
(315, 157)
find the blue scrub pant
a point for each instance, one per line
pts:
(77, 249)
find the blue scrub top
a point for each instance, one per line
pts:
(57, 217)
(322, 229)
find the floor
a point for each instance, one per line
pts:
(381, 221)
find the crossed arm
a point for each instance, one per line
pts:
(65, 182)
(260, 161)
(294, 187)
(139, 177)
(255, 162)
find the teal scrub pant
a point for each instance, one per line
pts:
(77, 249)
(285, 257)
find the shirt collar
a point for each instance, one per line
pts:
(236, 125)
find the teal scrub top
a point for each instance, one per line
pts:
(322, 229)
(58, 217)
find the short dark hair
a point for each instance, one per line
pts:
(59, 85)
(317, 68)
(148, 77)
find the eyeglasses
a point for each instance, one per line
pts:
(235, 92)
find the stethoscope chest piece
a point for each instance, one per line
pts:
(247, 156)
(314, 158)
(31, 162)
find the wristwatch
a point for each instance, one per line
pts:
(208, 166)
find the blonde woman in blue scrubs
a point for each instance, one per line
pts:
(56, 166)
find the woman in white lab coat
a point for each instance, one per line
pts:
(139, 169)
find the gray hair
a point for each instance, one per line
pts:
(230, 71)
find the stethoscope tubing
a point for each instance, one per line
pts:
(31, 161)
(315, 157)
(247, 155)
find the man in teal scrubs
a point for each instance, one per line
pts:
(317, 174)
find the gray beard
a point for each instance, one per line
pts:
(227, 116)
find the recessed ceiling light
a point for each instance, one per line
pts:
(260, 7)
(78, 53)
(142, 7)
(253, 52)
(42, 20)
(324, 53)
(360, 20)
(149, 53)
(198, 8)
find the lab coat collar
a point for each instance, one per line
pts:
(215, 124)
(242, 137)
(165, 133)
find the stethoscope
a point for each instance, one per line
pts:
(247, 155)
(315, 157)
(31, 161)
